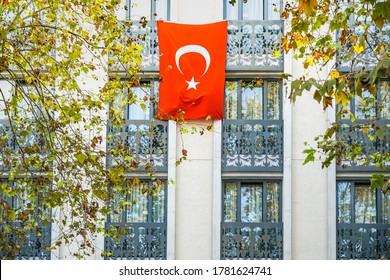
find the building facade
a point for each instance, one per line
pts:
(244, 193)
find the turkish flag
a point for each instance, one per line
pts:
(192, 70)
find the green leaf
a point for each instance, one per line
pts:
(81, 157)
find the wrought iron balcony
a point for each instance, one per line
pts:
(136, 241)
(146, 142)
(366, 59)
(353, 133)
(253, 45)
(252, 145)
(11, 145)
(34, 245)
(363, 241)
(252, 241)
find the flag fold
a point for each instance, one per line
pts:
(192, 70)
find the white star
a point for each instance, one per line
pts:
(192, 84)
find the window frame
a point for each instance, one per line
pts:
(152, 14)
(239, 183)
(359, 183)
(264, 99)
(240, 10)
(149, 204)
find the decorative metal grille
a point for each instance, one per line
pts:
(33, 247)
(252, 45)
(147, 143)
(252, 145)
(10, 145)
(252, 241)
(363, 241)
(353, 134)
(137, 241)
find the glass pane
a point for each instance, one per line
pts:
(252, 108)
(253, 9)
(251, 203)
(230, 202)
(365, 107)
(231, 11)
(162, 11)
(384, 106)
(6, 89)
(273, 101)
(386, 208)
(136, 111)
(27, 108)
(271, 5)
(344, 202)
(273, 202)
(158, 206)
(117, 207)
(365, 210)
(137, 211)
(119, 103)
(139, 8)
(231, 100)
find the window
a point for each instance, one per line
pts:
(145, 139)
(363, 221)
(252, 220)
(25, 115)
(253, 102)
(371, 113)
(138, 222)
(142, 98)
(29, 206)
(151, 9)
(252, 129)
(369, 107)
(253, 10)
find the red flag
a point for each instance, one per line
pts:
(192, 70)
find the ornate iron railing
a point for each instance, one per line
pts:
(252, 241)
(363, 241)
(252, 145)
(12, 144)
(255, 45)
(367, 59)
(136, 241)
(146, 141)
(252, 45)
(34, 244)
(352, 133)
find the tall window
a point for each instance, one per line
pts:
(369, 107)
(138, 222)
(252, 129)
(252, 220)
(363, 221)
(30, 232)
(253, 102)
(151, 9)
(370, 113)
(253, 10)
(142, 98)
(145, 139)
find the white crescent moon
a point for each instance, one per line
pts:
(196, 49)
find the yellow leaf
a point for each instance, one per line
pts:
(308, 62)
(277, 53)
(334, 74)
(342, 98)
(358, 48)
(365, 130)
